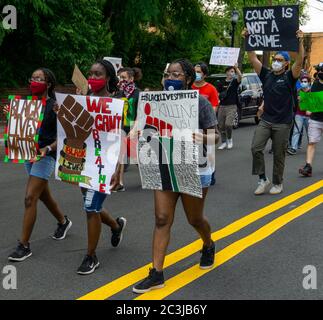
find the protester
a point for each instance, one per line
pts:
(129, 92)
(276, 121)
(228, 92)
(205, 89)
(301, 117)
(180, 75)
(102, 83)
(315, 129)
(42, 84)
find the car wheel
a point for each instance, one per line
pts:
(236, 120)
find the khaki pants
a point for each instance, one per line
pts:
(279, 134)
(226, 116)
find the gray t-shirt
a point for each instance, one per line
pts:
(207, 119)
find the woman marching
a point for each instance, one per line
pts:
(102, 83)
(42, 84)
(180, 75)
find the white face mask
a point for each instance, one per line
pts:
(277, 66)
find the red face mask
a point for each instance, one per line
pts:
(37, 88)
(96, 85)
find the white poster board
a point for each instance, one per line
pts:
(88, 140)
(224, 56)
(116, 62)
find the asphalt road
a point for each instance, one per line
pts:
(271, 268)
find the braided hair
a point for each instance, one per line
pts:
(188, 69)
(50, 79)
(111, 73)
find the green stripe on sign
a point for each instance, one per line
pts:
(171, 166)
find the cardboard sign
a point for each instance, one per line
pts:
(80, 81)
(116, 62)
(223, 56)
(311, 101)
(88, 140)
(167, 157)
(22, 132)
(272, 28)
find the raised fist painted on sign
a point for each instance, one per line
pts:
(76, 121)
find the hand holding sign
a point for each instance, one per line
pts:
(76, 121)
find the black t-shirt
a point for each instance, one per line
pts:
(48, 129)
(228, 92)
(317, 87)
(278, 96)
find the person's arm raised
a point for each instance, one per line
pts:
(298, 64)
(257, 65)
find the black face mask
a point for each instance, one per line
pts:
(320, 75)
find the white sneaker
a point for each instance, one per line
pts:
(223, 146)
(262, 186)
(276, 189)
(230, 143)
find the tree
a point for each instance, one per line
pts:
(55, 34)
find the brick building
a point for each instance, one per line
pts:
(313, 43)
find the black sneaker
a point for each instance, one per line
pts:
(62, 229)
(89, 265)
(155, 280)
(117, 235)
(306, 171)
(291, 151)
(119, 188)
(207, 259)
(21, 253)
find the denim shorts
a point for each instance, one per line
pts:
(207, 180)
(93, 200)
(42, 169)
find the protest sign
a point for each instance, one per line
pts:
(223, 56)
(116, 62)
(272, 28)
(21, 136)
(311, 101)
(80, 81)
(88, 138)
(167, 157)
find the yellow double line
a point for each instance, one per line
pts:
(223, 256)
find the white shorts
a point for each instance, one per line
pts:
(315, 131)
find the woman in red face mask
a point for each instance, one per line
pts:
(42, 84)
(102, 83)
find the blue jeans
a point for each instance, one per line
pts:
(42, 169)
(300, 123)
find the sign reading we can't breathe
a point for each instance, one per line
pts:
(272, 28)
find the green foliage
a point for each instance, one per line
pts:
(55, 34)
(145, 33)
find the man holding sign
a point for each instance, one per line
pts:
(276, 120)
(315, 129)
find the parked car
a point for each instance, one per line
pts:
(250, 95)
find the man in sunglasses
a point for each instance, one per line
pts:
(277, 118)
(315, 127)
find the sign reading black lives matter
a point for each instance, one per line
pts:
(272, 28)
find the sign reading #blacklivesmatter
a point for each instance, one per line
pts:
(167, 157)
(272, 28)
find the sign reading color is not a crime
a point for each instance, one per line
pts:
(272, 28)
